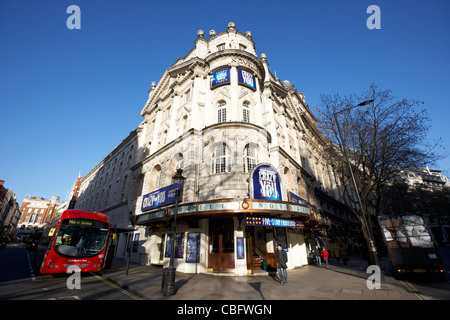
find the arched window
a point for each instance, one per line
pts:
(220, 159)
(250, 157)
(176, 163)
(301, 188)
(155, 178)
(246, 112)
(222, 112)
(137, 188)
(288, 177)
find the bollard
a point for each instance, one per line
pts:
(168, 282)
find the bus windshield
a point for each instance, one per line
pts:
(81, 238)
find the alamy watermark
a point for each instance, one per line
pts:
(74, 20)
(374, 21)
(74, 281)
(374, 280)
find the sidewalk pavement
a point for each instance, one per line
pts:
(337, 282)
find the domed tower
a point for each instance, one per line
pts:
(216, 90)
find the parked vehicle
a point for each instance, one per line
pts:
(410, 246)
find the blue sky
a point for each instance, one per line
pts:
(68, 97)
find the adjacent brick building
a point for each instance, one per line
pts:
(36, 211)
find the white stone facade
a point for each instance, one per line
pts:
(217, 134)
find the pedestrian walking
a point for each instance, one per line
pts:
(336, 253)
(282, 260)
(343, 254)
(317, 254)
(325, 254)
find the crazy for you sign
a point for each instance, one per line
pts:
(247, 79)
(160, 197)
(265, 183)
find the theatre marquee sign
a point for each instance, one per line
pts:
(273, 222)
(230, 206)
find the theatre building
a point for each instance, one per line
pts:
(249, 152)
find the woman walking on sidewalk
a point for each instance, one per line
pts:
(282, 259)
(325, 254)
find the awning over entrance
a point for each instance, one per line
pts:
(285, 212)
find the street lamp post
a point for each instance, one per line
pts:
(371, 243)
(132, 218)
(168, 280)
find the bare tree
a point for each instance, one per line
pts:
(382, 138)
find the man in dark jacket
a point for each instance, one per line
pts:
(282, 260)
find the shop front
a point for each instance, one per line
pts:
(237, 236)
(233, 236)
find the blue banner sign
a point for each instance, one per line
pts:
(160, 197)
(297, 199)
(246, 78)
(265, 183)
(220, 77)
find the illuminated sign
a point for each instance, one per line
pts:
(160, 197)
(82, 223)
(79, 222)
(265, 183)
(220, 77)
(273, 222)
(246, 78)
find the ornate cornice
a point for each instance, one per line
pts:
(237, 54)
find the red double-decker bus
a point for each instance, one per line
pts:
(75, 238)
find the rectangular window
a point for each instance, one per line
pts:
(167, 113)
(246, 115)
(222, 115)
(219, 159)
(250, 158)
